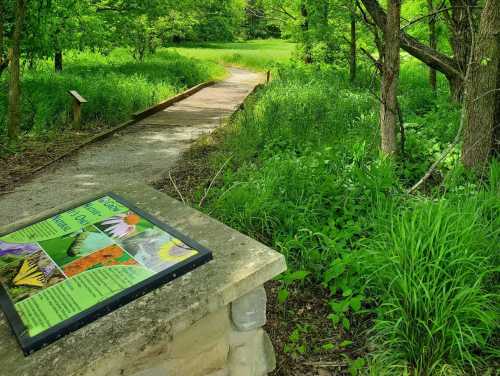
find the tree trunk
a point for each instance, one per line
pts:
(461, 40)
(432, 44)
(14, 119)
(390, 78)
(4, 61)
(496, 123)
(353, 57)
(461, 32)
(58, 61)
(480, 93)
(305, 29)
(431, 57)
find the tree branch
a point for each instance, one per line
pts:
(414, 47)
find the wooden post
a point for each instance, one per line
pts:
(268, 76)
(78, 100)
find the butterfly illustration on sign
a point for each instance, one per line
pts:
(29, 275)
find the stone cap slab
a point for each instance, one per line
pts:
(240, 264)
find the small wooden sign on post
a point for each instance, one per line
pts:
(78, 100)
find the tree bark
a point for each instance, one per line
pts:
(4, 61)
(305, 29)
(429, 56)
(353, 57)
(432, 44)
(496, 123)
(480, 92)
(460, 40)
(14, 114)
(58, 61)
(390, 78)
(461, 32)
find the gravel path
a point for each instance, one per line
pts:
(139, 153)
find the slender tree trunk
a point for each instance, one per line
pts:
(4, 61)
(431, 57)
(390, 78)
(432, 44)
(353, 57)
(58, 61)
(496, 123)
(305, 29)
(461, 40)
(14, 119)
(461, 33)
(480, 94)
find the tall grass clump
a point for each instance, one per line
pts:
(432, 268)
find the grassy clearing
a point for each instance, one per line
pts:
(305, 177)
(115, 86)
(257, 55)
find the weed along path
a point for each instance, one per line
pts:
(139, 153)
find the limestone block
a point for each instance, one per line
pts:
(251, 353)
(221, 372)
(141, 336)
(249, 311)
(202, 335)
(200, 350)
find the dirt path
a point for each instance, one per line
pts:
(142, 152)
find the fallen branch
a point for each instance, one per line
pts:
(202, 201)
(325, 364)
(462, 120)
(176, 189)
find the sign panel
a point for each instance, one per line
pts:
(60, 273)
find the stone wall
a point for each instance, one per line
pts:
(207, 322)
(229, 342)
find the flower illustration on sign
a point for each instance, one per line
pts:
(175, 251)
(122, 225)
(17, 249)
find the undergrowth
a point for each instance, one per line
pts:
(306, 178)
(114, 85)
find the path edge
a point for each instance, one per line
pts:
(136, 117)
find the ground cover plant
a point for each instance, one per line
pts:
(420, 272)
(370, 160)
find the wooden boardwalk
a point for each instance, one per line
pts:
(139, 153)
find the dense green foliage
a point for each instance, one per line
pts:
(307, 179)
(115, 86)
(307, 170)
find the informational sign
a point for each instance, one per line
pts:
(63, 272)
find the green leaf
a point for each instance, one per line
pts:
(334, 318)
(347, 292)
(283, 296)
(356, 366)
(299, 275)
(356, 303)
(345, 343)
(328, 346)
(346, 324)
(335, 270)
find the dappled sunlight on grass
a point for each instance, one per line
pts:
(257, 54)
